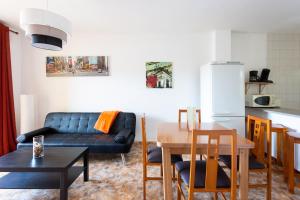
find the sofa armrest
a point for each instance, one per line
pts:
(122, 136)
(28, 136)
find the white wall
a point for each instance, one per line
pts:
(125, 89)
(279, 52)
(284, 59)
(250, 49)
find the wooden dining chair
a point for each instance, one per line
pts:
(258, 129)
(181, 111)
(281, 132)
(185, 111)
(207, 175)
(292, 139)
(152, 156)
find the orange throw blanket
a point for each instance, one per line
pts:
(105, 121)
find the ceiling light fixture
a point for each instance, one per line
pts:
(47, 30)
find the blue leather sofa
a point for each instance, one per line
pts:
(65, 129)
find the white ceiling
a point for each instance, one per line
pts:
(160, 16)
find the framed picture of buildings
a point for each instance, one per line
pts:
(159, 74)
(77, 66)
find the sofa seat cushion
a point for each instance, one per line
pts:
(183, 168)
(78, 139)
(98, 143)
(155, 156)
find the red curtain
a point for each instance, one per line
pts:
(7, 115)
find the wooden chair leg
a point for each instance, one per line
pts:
(178, 186)
(161, 170)
(215, 196)
(269, 183)
(285, 162)
(232, 196)
(291, 180)
(144, 189)
(191, 194)
(279, 141)
(174, 176)
(144, 181)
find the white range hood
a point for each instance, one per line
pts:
(221, 46)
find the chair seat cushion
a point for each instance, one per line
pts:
(223, 181)
(253, 163)
(155, 156)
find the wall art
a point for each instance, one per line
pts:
(77, 66)
(159, 74)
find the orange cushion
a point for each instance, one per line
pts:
(105, 121)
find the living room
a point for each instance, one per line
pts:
(140, 65)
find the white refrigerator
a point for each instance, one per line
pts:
(222, 94)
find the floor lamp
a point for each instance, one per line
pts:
(28, 113)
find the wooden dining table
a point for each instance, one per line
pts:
(175, 138)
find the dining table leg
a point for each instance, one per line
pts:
(167, 176)
(243, 173)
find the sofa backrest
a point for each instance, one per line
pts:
(78, 122)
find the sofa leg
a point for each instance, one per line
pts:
(123, 159)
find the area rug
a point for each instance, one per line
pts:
(111, 180)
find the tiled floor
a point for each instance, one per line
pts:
(110, 180)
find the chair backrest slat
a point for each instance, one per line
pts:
(212, 161)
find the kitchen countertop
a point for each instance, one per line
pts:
(265, 111)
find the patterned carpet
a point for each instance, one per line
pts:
(110, 180)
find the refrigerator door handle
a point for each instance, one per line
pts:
(222, 120)
(222, 114)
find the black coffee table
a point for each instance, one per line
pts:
(54, 171)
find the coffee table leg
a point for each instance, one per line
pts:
(63, 185)
(86, 167)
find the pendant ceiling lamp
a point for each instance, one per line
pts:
(47, 30)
